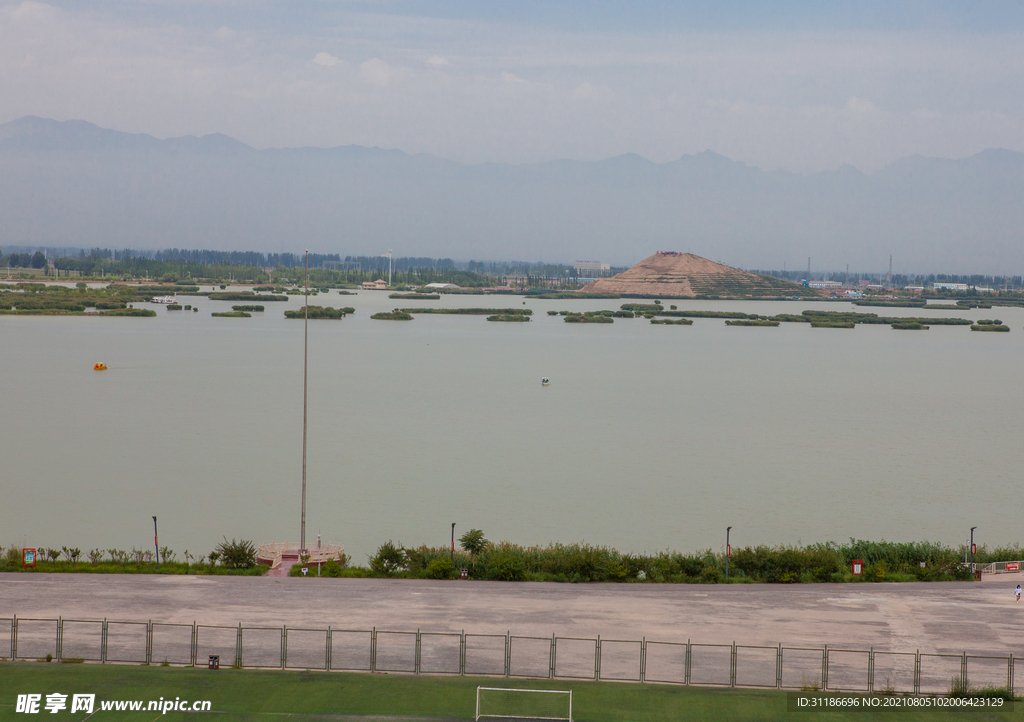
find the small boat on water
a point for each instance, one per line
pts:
(163, 299)
(100, 366)
(544, 381)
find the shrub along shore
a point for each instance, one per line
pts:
(505, 561)
(825, 562)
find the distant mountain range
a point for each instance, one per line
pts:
(75, 184)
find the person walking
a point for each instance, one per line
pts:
(1016, 593)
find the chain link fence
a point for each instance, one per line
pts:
(507, 655)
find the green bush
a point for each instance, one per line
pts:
(440, 568)
(505, 564)
(237, 554)
(389, 559)
(392, 316)
(711, 575)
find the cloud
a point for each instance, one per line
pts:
(801, 100)
(376, 72)
(326, 60)
(859, 105)
(586, 91)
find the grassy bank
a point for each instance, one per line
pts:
(237, 695)
(319, 312)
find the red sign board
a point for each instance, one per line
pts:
(1013, 566)
(28, 558)
(857, 567)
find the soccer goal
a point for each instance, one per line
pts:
(515, 704)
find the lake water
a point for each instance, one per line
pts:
(649, 437)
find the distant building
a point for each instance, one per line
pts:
(914, 289)
(442, 285)
(379, 285)
(591, 266)
(823, 284)
(950, 286)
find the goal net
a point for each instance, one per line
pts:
(523, 704)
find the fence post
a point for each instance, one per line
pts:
(284, 647)
(917, 672)
(14, 621)
(778, 668)
(327, 658)
(643, 659)
(149, 642)
(462, 653)
(60, 636)
(963, 671)
(103, 642)
(732, 665)
(824, 668)
(281, 651)
(508, 653)
(871, 671)
(1009, 673)
(238, 646)
(373, 649)
(551, 659)
(597, 659)
(195, 642)
(687, 662)
(416, 659)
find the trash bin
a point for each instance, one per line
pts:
(463, 574)
(214, 661)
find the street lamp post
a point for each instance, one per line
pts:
(156, 543)
(305, 396)
(453, 542)
(972, 548)
(728, 552)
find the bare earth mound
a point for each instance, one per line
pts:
(684, 275)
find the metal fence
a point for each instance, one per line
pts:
(1000, 567)
(507, 655)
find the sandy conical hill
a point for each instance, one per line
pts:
(684, 275)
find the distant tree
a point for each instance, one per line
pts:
(473, 541)
(389, 559)
(38, 259)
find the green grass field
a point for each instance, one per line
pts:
(295, 696)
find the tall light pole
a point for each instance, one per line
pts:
(972, 548)
(156, 543)
(728, 551)
(305, 396)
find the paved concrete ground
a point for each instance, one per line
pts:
(937, 617)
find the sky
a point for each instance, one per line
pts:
(799, 86)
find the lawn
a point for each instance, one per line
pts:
(238, 695)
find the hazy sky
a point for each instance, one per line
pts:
(789, 85)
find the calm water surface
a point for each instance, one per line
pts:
(649, 437)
